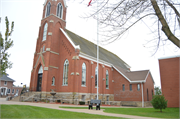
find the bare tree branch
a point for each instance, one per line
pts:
(165, 26)
(117, 17)
(175, 10)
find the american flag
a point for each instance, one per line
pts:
(89, 3)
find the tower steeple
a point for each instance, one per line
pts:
(48, 43)
(57, 9)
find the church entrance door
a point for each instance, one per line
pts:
(39, 81)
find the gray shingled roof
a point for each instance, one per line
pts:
(5, 78)
(90, 49)
(135, 75)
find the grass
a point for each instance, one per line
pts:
(24, 111)
(146, 112)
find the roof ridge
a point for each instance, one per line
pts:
(140, 70)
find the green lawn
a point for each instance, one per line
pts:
(147, 112)
(23, 111)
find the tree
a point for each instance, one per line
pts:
(116, 17)
(5, 44)
(159, 102)
(157, 91)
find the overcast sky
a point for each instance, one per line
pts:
(27, 15)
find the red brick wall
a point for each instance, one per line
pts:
(134, 95)
(148, 88)
(58, 43)
(10, 86)
(169, 72)
(127, 95)
(54, 9)
(55, 44)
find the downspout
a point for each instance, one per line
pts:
(142, 94)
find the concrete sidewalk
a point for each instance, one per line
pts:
(56, 106)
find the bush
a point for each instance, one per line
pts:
(81, 102)
(159, 102)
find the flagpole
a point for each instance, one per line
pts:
(97, 50)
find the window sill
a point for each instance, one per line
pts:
(107, 88)
(83, 85)
(52, 85)
(64, 85)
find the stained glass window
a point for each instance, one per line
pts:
(60, 10)
(83, 74)
(107, 79)
(65, 72)
(48, 9)
(45, 32)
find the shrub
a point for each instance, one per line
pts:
(81, 102)
(159, 102)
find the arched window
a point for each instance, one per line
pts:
(123, 87)
(43, 48)
(60, 10)
(107, 79)
(65, 72)
(40, 70)
(83, 74)
(45, 32)
(48, 9)
(96, 77)
(53, 81)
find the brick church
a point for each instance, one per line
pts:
(66, 62)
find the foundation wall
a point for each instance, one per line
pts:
(75, 98)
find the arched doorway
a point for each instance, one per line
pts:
(39, 81)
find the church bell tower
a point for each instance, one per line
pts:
(47, 53)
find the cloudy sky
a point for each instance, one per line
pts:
(27, 15)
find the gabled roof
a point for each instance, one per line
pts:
(5, 78)
(134, 76)
(89, 48)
